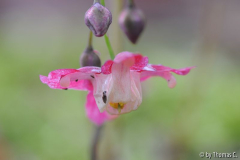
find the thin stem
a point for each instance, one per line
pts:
(90, 39)
(109, 46)
(95, 142)
(96, 1)
(103, 2)
(131, 3)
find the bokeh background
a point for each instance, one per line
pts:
(201, 114)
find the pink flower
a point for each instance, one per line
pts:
(114, 88)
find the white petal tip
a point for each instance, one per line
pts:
(172, 82)
(148, 68)
(171, 86)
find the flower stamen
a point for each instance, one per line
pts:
(119, 106)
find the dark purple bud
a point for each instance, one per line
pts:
(98, 19)
(90, 58)
(132, 22)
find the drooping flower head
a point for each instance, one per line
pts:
(116, 85)
(98, 19)
(132, 22)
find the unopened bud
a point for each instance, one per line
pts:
(98, 19)
(90, 58)
(132, 22)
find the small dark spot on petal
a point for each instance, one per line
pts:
(104, 97)
(76, 80)
(65, 88)
(92, 76)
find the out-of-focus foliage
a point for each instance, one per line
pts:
(202, 114)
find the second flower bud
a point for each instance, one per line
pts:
(90, 58)
(98, 19)
(132, 22)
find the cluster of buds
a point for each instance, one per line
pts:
(98, 19)
(132, 21)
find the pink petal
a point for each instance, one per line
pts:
(107, 67)
(89, 69)
(124, 84)
(138, 62)
(82, 73)
(71, 78)
(44, 79)
(120, 58)
(182, 71)
(121, 78)
(127, 58)
(164, 72)
(52, 80)
(60, 76)
(93, 112)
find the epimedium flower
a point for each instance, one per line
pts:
(115, 88)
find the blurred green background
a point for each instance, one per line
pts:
(201, 114)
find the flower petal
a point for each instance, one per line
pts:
(107, 67)
(134, 97)
(121, 88)
(136, 88)
(71, 78)
(102, 84)
(182, 71)
(124, 86)
(138, 64)
(164, 72)
(52, 80)
(93, 112)
(82, 73)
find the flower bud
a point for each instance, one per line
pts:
(98, 19)
(90, 58)
(132, 22)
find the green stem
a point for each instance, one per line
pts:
(90, 39)
(103, 2)
(109, 46)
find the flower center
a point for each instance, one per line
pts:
(118, 106)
